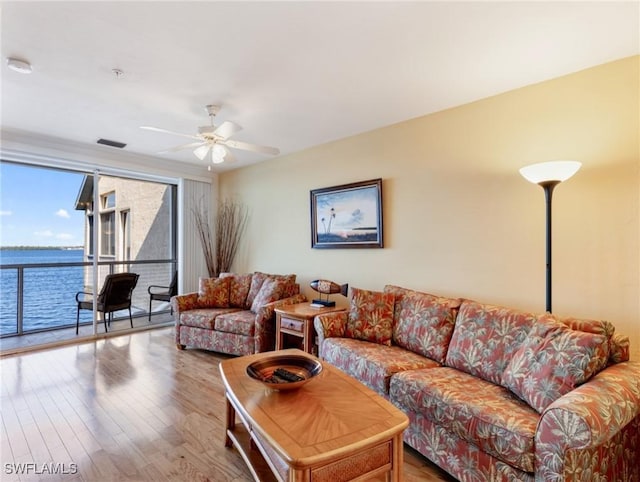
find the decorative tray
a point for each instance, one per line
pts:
(284, 372)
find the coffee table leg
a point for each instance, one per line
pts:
(231, 422)
(398, 454)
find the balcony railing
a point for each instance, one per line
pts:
(41, 296)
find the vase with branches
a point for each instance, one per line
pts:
(220, 248)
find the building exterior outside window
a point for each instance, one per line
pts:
(108, 224)
(126, 234)
(88, 234)
(107, 229)
(136, 223)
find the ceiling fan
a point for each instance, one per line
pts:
(214, 140)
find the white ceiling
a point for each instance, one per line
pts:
(293, 74)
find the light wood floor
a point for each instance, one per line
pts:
(125, 408)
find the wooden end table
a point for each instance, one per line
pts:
(297, 320)
(332, 426)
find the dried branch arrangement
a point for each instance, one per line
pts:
(201, 220)
(231, 222)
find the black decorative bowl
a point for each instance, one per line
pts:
(284, 372)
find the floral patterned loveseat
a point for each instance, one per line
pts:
(492, 393)
(234, 313)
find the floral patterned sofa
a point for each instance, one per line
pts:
(492, 393)
(234, 313)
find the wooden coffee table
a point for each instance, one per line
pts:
(331, 429)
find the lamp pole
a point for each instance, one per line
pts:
(548, 175)
(548, 193)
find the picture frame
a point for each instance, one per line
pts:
(347, 216)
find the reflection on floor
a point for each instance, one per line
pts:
(18, 344)
(129, 407)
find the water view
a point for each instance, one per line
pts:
(49, 293)
(129, 223)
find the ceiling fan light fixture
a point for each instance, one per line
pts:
(201, 152)
(218, 151)
(217, 154)
(214, 139)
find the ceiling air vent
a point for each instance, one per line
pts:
(107, 142)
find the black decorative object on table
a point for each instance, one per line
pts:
(327, 287)
(284, 375)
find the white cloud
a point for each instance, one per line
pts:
(62, 213)
(64, 236)
(6, 213)
(47, 233)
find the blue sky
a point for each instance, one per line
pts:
(37, 207)
(353, 208)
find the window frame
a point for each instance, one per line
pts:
(108, 237)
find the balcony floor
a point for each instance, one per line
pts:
(63, 336)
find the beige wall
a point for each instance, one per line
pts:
(459, 219)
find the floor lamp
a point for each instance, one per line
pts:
(548, 175)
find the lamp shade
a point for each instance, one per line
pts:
(217, 154)
(201, 152)
(550, 171)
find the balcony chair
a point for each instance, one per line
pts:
(114, 296)
(165, 294)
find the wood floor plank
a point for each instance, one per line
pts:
(14, 435)
(128, 408)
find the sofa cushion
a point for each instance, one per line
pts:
(213, 292)
(487, 415)
(258, 278)
(598, 327)
(228, 343)
(371, 363)
(486, 337)
(203, 317)
(423, 323)
(289, 283)
(370, 316)
(619, 349)
(552, 361)
(238, 288)
(270, 291)
(618, 345)
(238, 322)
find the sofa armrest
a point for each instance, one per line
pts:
(182, 303)
(330, 325)
(291, 300)
(592, 431)
(264, 324)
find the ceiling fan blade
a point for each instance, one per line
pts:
(227, 129)
(201, 152)
(228, 157)
(165, 131)
(245, 146)
(183, 146)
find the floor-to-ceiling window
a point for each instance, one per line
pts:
(52, 224)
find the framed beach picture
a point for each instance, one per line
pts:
(347, 216)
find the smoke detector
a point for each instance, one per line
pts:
(20, 66)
